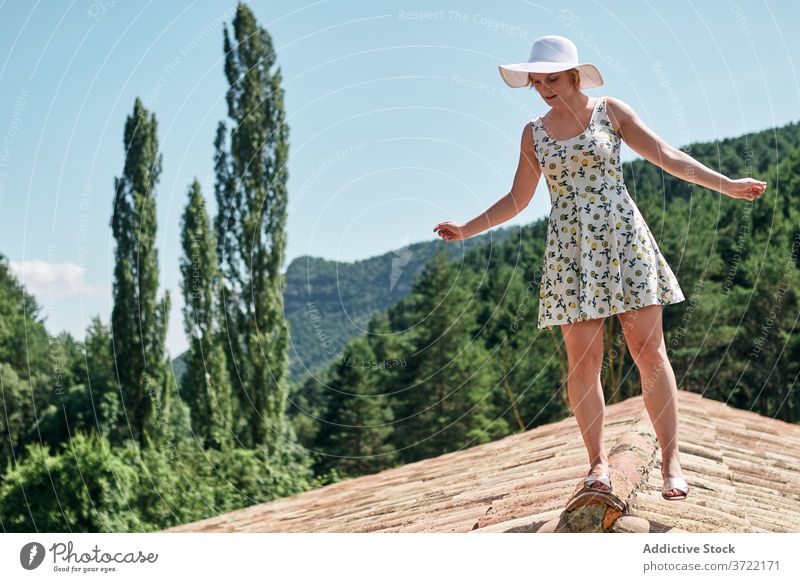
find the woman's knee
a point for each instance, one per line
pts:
(585, 362)
(649, 353)
(584, 373)
(584, 343)
(644, 335)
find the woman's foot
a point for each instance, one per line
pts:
(599, 470)
(672, 484)
(673, 469)
(675, 491)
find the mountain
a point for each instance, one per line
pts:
(327, 303)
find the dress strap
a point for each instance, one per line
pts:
(603, 116)
(597, 103)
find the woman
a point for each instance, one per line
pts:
(601, 257)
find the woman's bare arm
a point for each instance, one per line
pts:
(678, 163)
(525, 180)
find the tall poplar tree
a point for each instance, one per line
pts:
(138, 318)
(251, 179)
(205, 383)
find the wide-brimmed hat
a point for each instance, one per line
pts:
(550, 54)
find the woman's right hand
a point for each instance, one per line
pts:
(449, 230)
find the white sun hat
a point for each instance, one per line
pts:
(550, 54)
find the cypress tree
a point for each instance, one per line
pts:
(138, 318)
(251, 194)
(205, 383)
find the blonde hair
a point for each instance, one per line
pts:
(575, 73)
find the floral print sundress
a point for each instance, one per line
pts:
(601, 257)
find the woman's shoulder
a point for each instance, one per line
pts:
(532, 125)
(528, 141)
(528, 132)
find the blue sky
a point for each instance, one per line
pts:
(398, 116)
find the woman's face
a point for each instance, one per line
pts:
(553, 87)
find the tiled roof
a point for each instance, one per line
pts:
(743, 470)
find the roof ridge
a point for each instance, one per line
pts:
(629, 462)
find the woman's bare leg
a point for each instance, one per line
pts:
(645, 339)
(584, 342)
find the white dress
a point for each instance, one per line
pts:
(601, 257)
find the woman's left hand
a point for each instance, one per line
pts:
(746, 188)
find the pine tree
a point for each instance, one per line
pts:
(205, 384)
(354, 433)
(251, 178)
(138, 318)
(447, 401)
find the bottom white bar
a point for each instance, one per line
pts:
(389, 557)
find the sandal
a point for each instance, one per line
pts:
(675, 483)
(603, 478)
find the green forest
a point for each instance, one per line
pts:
(101, 435)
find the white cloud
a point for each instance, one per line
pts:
(53, 280)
